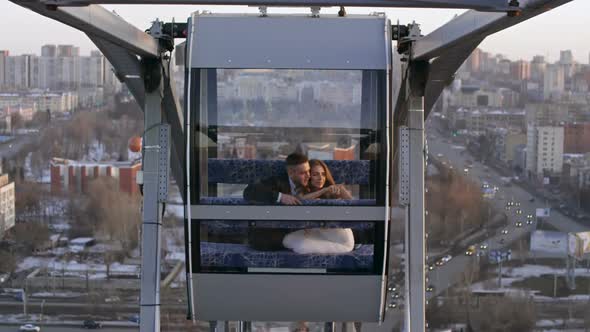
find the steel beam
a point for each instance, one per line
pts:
(97, 21)
(442, 71)
(152, 214)
(415, 229)
(126, 65)
(481, 5)
(474, 25)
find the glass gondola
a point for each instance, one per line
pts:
(261, 89)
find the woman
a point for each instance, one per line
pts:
(321, 240)
(322, 184)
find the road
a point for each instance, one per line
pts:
(452, 154)
(443, 277)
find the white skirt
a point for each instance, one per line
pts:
(320, 241)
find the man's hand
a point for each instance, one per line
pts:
(289, 200)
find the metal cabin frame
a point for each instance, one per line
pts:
(299, 42)
(140, 60)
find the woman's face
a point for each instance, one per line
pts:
(318, 177)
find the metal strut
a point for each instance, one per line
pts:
(155, 166)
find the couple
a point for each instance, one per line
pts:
(304, 179)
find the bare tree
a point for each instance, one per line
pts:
(32, 235)
(116, 212)
(7, 262)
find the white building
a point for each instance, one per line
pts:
(16, 75)
(7, 210)
(92, 70)
(544, 150)
(41, 101)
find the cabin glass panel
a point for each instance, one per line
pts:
(273, 246)
(249, 120)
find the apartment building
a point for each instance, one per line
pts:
(544, 150)
(7, 209)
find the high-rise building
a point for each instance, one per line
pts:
(92, 71)
(544, 150)
(49, 50)
(3, 55)
(554, 82)
(520, 70)
(17, 72)
(7, 209)
(566, 57)
(566, 61)
(67, 51)
(538, 68)
(473, 62)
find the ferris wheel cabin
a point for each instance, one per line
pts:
(261, 88)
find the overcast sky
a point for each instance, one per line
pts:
(567, 27)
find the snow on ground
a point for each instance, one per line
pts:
(552, 323)
(529, 270)
(96, 152)
(61, 295)
(520, 273)
(176, 210)
(175, 256)
(73, 268)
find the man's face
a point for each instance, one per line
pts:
(299, 174)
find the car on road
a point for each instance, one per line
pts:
(518, 211)
(466, 170)
(483, 246)
(529, 216)
(505, 231)
(430, 288)
(439, 155)
(29, 328)
(443, 260)
(529, 221)
(518, 224)
(112, 299)
(91, 324)
(470, 251)
(430, 267)
(516, 203)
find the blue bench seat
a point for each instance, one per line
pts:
(229, 255)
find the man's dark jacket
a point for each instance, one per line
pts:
(267, 191)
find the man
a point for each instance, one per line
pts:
(284, 188)
(281, 189)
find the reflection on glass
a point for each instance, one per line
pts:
(251, 120)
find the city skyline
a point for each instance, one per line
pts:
(520, 42)
(552, 57)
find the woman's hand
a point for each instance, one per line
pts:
(334, 189)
